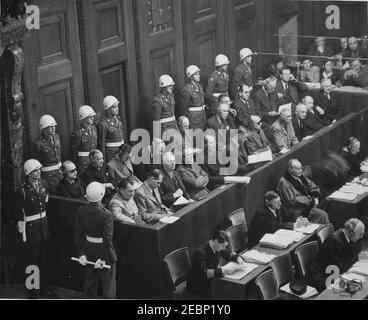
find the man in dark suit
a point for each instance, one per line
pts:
(354, 50)
(205, 264)
(313, 122)
(265, 100)
(244, 106)
(93, 232)
(328, 105)
(340, 249)
(287, 89)
(256, 140)
(172, 186)
(70, 186)
(298, 121)
(271, 217)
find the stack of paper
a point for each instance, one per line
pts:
(181, 201)
(361, 267)
(353, 276)
(293, 235)
(283, 151)
(308, 229)
(275, 241)
(260, 157)
(343, 196)
(169, 219)
(309, 293)
(285, 106)
(354, 188)
(243, 270)
(258, 257)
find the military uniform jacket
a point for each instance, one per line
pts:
(242, 75)
(110, 129)
(83, 140)
(29, 202)
(97, 222)
(48, 150)
(163, 106)
(192, 96)
(218, 82)
(119, 171)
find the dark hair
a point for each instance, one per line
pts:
(155, 174)
(285, 68)
(222, 95)
(271, 195)
(124, 149)
(123, 184)
(351, 141)
(241, 87)
(220, 235)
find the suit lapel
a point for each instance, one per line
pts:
(149, 195)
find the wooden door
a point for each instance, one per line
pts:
(205, 33)
(160, 49)
(53, 71)
(108, 47)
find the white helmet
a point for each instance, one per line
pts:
(191, 70)
(31, 165)
(165, 81)
(85, 112)
(109, 101)
(245, 52)
(95, 192)
(47, 121)
(221, 60)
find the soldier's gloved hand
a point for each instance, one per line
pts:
(99, 264)
(21, 226)
(83, 260)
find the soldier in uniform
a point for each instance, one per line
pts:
(31, 199)
(192, 103)
(243, 73)
(110, 129)
(218, 83)
(163, 104)
(93, 232)
(84, 139)
(47, 150)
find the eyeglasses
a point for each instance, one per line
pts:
(72, 171)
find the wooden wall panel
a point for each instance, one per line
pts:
(53, 73)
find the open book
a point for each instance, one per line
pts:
(260, 157)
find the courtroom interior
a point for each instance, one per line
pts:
(184, 149)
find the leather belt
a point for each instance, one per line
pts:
(94, 240)
(166, 120)
(35, 217)
(194, 109)
(114, 144)
(83, 154)
(51, 168)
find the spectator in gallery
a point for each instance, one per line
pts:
(328, 72)
(309, 72)
(319, 51)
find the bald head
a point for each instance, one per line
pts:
(295, 167)
(355, 229)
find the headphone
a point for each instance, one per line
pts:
(351, 286)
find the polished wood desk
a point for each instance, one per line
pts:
(328, 294)
(228, 289)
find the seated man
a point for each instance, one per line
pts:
(172, 186)
(122, 205)
(205, 264)
(328, 106)
(256, 140)
(354, 50)
(244, 106)
(312, 122)
(221, 120)
(308, 73)
(301, 195)
(120, 167)
(194, 177)
(356, 75)
(148, 199)
(271, 217)
(70, 186)
(282, 132)
(213, 166)
(96, 172)
(340, 249)
(351, 153)
(298, 121)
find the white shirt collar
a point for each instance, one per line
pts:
(273, 211)
(346, 236)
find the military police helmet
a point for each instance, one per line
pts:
(246, 52)
(47, 121)
(109, 101)
(95, 192)
(85, 112)
(31, 165)
(165, 81)
(191, 70)
(221, 60)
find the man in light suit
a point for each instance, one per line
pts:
(282, 132)
(148, 199)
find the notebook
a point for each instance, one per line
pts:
(244, 270)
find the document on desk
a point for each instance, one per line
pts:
(169, 219)
(285, 106)
(181, 201)
(255, 256)
(354, 189)
(307, 138)
(260, 157)
(308, 229)
(275, 241)
(338, 195)
(244, 270)
(360, 267)
(283, 151)
(353, 276)
(309, 293)
(293, 235)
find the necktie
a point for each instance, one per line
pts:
(36, 187)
